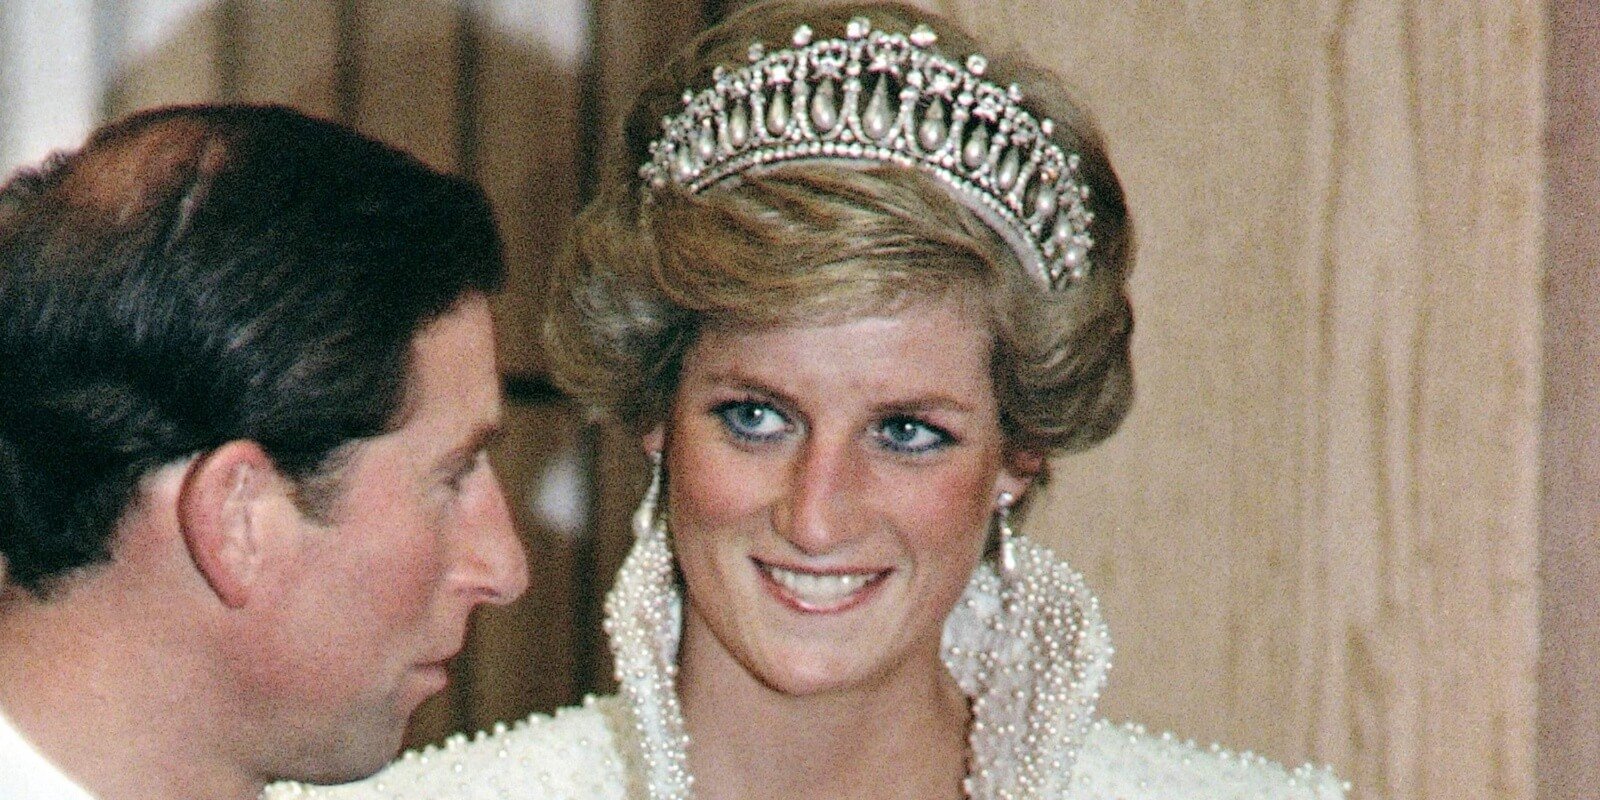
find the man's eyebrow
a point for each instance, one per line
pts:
(483, 437)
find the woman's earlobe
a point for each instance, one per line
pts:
(1022, 468)
(654, 439)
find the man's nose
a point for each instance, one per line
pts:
(500, 562)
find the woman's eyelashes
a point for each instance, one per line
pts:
(758, 422)
(908, 435)
(753, 421)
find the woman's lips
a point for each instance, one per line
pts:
(820, 592)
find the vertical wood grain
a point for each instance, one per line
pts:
(527, 137)
(522, 137)
(631, 39)
(1569, 730)
(289, 53)
(520, 656)
(407, 83)
(163, 51)
(1315, 537)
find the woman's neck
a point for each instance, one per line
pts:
(900, 735)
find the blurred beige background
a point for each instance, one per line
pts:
(1351, 517)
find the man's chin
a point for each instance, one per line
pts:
(356, 762)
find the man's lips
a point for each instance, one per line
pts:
(434, 676)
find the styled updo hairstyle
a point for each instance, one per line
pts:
(821, 240)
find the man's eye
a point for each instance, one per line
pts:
(459, 475)
(911, 435)
(752, 421)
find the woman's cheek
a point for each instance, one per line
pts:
(713, 486)
(947, 501)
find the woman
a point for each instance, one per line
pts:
(852, 286)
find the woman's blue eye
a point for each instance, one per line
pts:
(909, 435)
(753, 421)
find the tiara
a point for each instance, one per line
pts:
(970, 134)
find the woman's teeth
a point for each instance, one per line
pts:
(819, 590)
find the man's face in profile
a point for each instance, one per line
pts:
(374, 599)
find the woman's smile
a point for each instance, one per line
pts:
(820, 591)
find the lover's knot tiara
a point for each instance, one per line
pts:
(920, 110)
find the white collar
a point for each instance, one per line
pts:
(25, 773)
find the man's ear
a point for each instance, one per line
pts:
(223, 512)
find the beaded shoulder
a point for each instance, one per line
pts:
(1125, 762)
(572, 754)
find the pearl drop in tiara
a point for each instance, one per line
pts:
(972, 135)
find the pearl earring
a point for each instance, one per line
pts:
(1002, 521)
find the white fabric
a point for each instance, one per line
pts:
(590, 753)
(25, 774)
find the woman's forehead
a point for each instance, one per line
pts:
(931, 344)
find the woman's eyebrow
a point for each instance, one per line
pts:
(936, 402)
(933, 401)
(734, 379)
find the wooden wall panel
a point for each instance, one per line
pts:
(288, 53)
(632, 38)
(527, 139)
(1315, 536)
(163, 51)
(520, 656)
(1569, 731)
(408, 77)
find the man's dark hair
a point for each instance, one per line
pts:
(202, 274)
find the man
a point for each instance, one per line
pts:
(246, 385)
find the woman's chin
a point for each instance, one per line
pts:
(811, 680)
(817, 670)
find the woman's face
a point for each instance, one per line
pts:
(830, 489)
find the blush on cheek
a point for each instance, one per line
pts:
(710, 490)
(947, 502)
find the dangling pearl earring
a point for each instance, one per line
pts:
(644, 517)
(1008, 548)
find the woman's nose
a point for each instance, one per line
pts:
(821, 512)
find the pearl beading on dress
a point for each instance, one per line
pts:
(584, 753)
(1030, 648)
(1040, 665)
(831, 99)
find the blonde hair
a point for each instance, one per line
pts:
(821, 239)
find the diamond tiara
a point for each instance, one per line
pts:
(972, 135)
